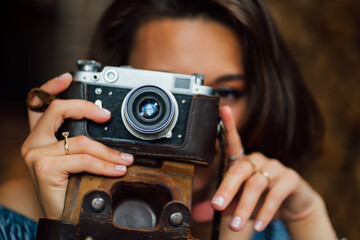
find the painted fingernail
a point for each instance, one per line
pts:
(120, 168)
(127, 157)
(63, 76)
(218, 200)
(258, 226)
(235, 222)
(105, 112)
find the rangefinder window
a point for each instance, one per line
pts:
(182, 83)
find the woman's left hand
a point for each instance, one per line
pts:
(260, 188)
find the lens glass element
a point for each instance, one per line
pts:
(149, 108)
(149, 112)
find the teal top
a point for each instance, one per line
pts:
(14, 226)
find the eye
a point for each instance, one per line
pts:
(229, 93)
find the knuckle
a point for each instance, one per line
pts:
(257, 155)
(245, 211)
(26, 146)
(28, 158)
(24, 149)
(256, 183)
(292, 175)
(112, 153)
(55, 104)
(274, 163)
(275, 196)
(88, 104)
(82, 141)
(266, 214)
(85, 159)
(105, 166)
(42, 167)
(237, 169)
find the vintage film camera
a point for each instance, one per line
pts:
(169, 123)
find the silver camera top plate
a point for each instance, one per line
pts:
(127, 77)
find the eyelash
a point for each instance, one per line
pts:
(229, 93)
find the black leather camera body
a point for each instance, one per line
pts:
(154, 114)
(169, 122)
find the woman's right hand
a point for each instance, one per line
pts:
(46, 158)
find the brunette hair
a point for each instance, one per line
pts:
(283, 120)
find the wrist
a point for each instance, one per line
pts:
(314, 224)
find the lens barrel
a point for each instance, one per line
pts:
(149, 112)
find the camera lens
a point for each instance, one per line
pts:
(149, 112)
(149, 108)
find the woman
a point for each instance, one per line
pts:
(236, 45)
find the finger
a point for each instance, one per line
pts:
(56, 170)
(59, 110)
(236, 175)
(234, 141)
(53, 117)
(54, 87)
(280, 190)
(253, 189)
(85, 145)
(86, 163)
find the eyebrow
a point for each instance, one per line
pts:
(230, 77)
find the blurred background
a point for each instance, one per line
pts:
(43, 38)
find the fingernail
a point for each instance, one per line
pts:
(218, 200)
(127, 157)
(229, 109)
(258, 226)
(235, 222)
(120, 168)
(63, 76)
(105, 112)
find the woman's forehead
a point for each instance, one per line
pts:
(187, 46)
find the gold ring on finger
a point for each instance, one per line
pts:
(66, 135)
(252, 162)
(265, 174)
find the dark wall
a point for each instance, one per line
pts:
(325, 39)
(42, 39)
(27, 33)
